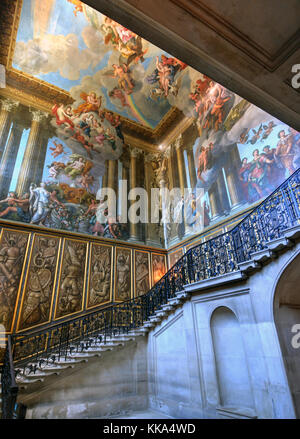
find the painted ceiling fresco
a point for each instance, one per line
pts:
(102, 64)
(241, 153)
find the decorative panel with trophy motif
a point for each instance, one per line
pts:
(13, 251)
(141, 272)
(100, 275)
(72, 278)
(40, 280)
(123, 277)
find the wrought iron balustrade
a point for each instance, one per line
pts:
(217, 256)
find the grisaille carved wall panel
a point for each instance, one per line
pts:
(100, 275)
(13, 248)
(40, 280)
(142, 272)
(123, 276)
(72, 278)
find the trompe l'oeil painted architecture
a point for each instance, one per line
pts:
(93, 116)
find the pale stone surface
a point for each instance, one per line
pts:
(192, 366)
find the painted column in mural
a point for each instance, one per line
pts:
(40, 163)
(172, 233)
(112, 169)
(233, 165)
(9, 157)
(105, 176)
(214, 201)
(125, 172)
(134, 152)
(8, 105)
(150, 227)
(191, 164)
(223, 197)
(30, 156)
(180, 164)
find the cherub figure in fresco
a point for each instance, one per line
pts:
(125, 80)
(256, 135)
(284, 151)
(126, 42)
(116, 93)
(164, 74)
(86, 180)
(78, 6)
(63, 115)
(58, 150)
(204, 160)
(132, 51)
(267, 130)
(55, 168)
(91, 103)
(20, 206)
(244, 136)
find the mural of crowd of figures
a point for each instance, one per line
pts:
(52, 169)
(45, 277)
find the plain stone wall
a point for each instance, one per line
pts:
(183, 378)
(177, 368)
(114, 384)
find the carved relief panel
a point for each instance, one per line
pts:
(100, 275)
(72, 278)
(122, 275)
(13, 250)
(40, 281)
(141, 272)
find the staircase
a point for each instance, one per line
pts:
(39, 357)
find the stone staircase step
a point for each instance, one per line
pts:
(279, 244)
(263, 255)
(292, 232)
(249, 266)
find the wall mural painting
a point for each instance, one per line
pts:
(38, 294)
(142, 273)
(72, 278)
(158, 267)
(122, 275)
(100, 275)
(51, 167)
(13, 249)
(241, 155)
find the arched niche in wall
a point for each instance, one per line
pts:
(231, 363)
(287, 321)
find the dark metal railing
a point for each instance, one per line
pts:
(8, 383)
(220, 255)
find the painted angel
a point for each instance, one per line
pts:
(59, 149)
(78, 6)
(91, 103)
(63, 115)
(125, 81)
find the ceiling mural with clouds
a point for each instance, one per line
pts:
(104, 76)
